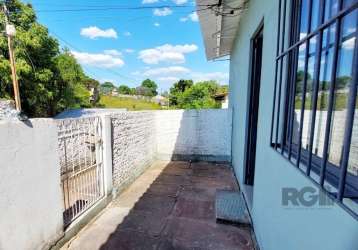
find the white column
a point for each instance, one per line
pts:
(107, 153)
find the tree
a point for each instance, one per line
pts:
(343, 82)
(199, 96)
(223, 89)
(49, 80)
(93, 86)
(165, 94)
(151, 86)
(144, 91)
(106, 88)
(185, 94)
(133, 91)
(124, 89)
(177, 90)
(70, 92)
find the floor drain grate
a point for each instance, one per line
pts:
(231, 207)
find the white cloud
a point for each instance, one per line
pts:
(349, 44)
(149, 1)
(179, 2)
(102, 60)
(129, 50)
(166, 53)
(127, 33)
(112, 52)
(136, 73)
(93, 32)
(301, 63)
(174, 73)
(162, 12)
(168, 79)
(351, 29)
(220, 77)
(165, 71)
(156, 24)
(193, 17)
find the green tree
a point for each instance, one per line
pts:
(151, 86)
(165, 94)
(106, 88)
(71, 92)
(144, 91)
(133, 91)
(185, 94)
(124, 89)
(343, 82)
(199, 96)
(93, 86)
(177, 90)
(49, 80)
(223, 89)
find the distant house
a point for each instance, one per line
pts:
(222, 98)
(115, 92)
(161, 100)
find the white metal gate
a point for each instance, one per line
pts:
(81, 154)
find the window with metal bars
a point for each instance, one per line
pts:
(315, 109)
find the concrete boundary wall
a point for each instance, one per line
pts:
(31, 201)
(194, 135)
(31, 198)
(133, 146)
(141, 137)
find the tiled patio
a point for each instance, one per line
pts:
(171, 206)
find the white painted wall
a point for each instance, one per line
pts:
(133, 145)
(30, 192)
(31, 200)
(202, 133)
(141, 137)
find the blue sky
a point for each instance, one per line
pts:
(128, 45)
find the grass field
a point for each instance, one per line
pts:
(128, 103)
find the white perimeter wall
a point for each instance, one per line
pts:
(205, 134)
(30, 192)
(141, 137)
(133, 145)
(31, 202)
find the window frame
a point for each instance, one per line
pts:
(282, 124)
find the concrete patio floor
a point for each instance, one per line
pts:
(170, 206)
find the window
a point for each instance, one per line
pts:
(315, 109)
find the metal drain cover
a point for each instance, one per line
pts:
(230, 206)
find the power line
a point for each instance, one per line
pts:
(106, 8)
(126, 8)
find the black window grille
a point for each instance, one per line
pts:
(315, 107)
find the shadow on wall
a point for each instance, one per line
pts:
(197, 135)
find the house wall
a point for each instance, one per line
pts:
(30, 193)
(277, 227)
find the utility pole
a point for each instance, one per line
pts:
(10, 32)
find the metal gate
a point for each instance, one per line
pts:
(81, 153)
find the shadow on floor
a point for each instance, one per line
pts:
(178, 212)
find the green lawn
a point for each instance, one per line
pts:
(322, 102)
(128, 103)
